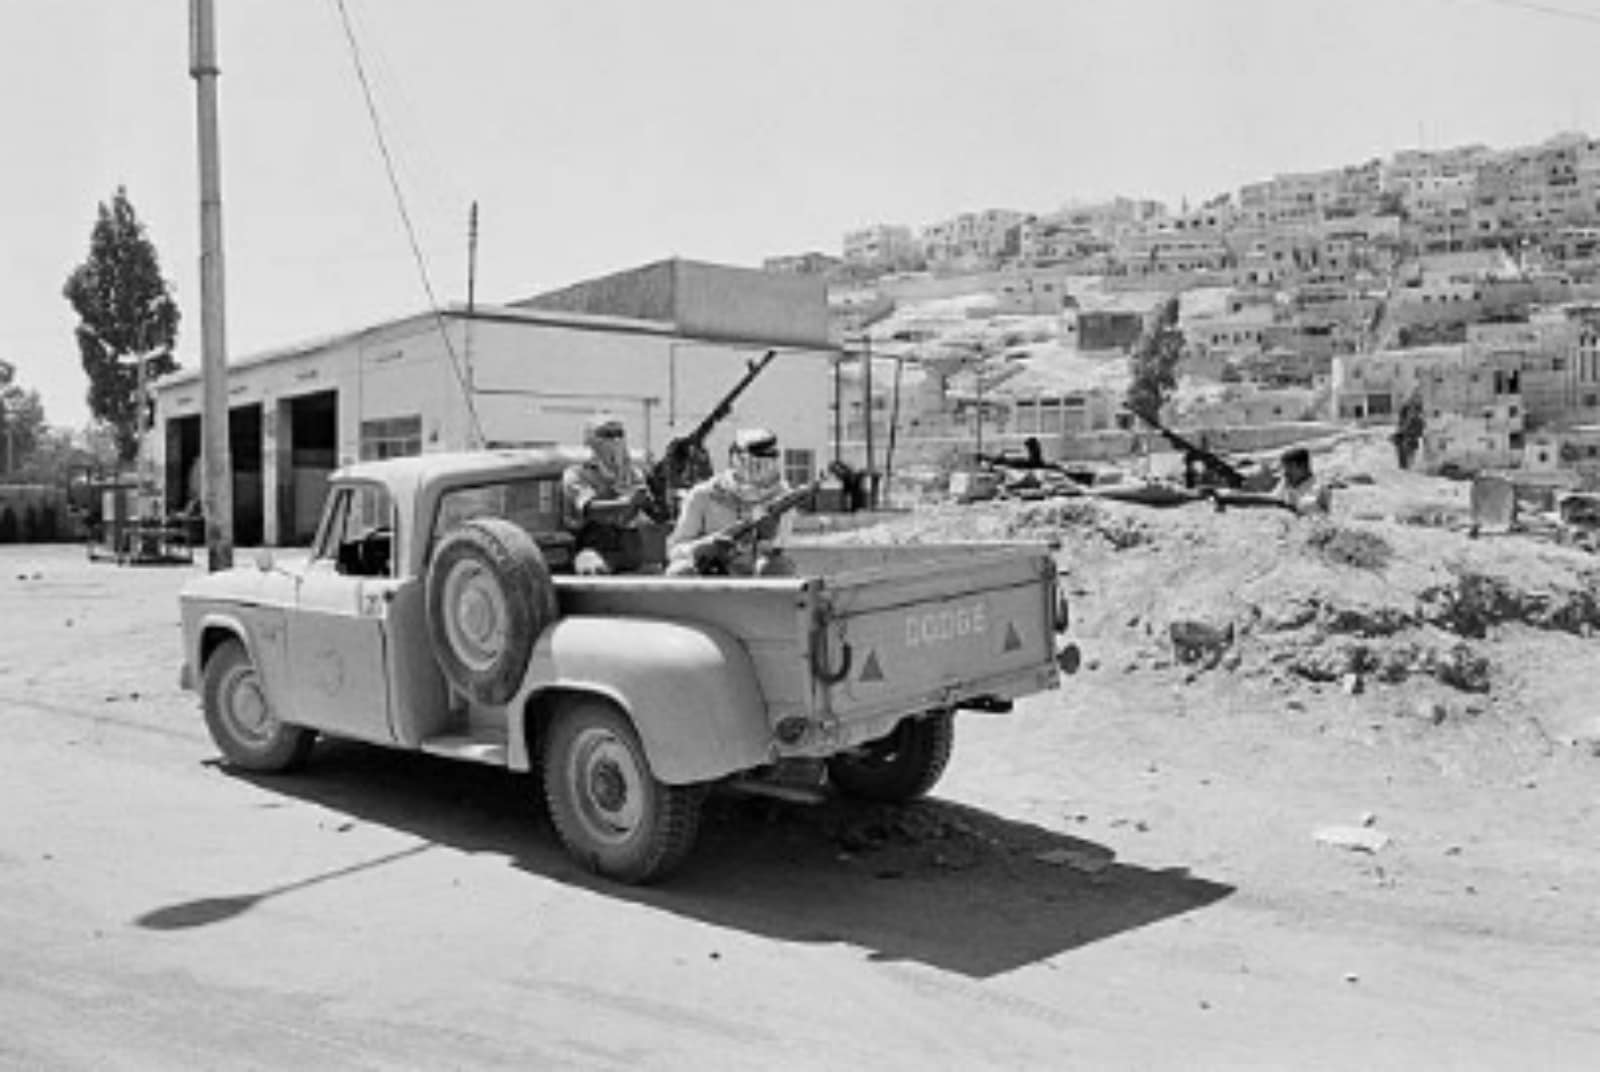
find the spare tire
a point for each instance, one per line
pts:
(489, 597)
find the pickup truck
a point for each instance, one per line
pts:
(437, 612)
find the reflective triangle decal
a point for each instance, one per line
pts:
(1013, 642)
(870, 670)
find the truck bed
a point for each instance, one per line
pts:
(862, 636)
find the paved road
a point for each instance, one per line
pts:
(390, 911)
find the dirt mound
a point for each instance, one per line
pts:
(1365, 598)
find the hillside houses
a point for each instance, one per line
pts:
(1464, 273)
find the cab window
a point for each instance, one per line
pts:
(533, 503)
(358, 532)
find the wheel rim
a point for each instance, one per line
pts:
(244, 706)
(475, 615)
(608, 785)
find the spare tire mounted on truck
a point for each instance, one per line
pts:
(489, 598)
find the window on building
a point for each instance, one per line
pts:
(391, 437)
(799, 465)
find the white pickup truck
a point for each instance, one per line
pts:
(437, 612)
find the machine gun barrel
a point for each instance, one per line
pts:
(1212, 461)
(684, 461)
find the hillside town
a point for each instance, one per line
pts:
(1466, 279)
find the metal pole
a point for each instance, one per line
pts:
(980, 409)
(866, 395)
(894, 424)
(218, 483)
(472, 260)
(838, 404)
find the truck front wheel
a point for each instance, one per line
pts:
(240, 717)
(609, 810)
(901, 766)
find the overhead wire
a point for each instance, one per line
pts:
(1547, 9)
(405, 219)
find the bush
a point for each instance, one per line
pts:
(1350, 547)
(8, 526)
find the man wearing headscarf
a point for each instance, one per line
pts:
(754, 477)
(606, 501)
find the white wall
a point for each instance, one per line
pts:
(533, 383)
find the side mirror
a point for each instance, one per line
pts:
(264, 561)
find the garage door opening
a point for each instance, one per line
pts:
(244, 444)
(308, 437)
(185, 478)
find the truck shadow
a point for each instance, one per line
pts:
(935, 882)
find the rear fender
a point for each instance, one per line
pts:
(689, 689)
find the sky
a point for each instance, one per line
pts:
(599, 135)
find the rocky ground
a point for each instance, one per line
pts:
(1391, 596)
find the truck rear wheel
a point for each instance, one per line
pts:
(240, 717)
(902, 766)
(609, 810)
(489, 598)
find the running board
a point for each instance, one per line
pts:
(789, 793)
(489, 748)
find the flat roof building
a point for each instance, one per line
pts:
(658, 345)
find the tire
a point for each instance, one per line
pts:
(902, 766)
(240, 717)
(610, 812)
(489, 597)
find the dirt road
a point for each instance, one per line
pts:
(1126, 874)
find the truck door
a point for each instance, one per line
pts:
(338, 680)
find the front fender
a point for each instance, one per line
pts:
(259, 629)
(689, 689)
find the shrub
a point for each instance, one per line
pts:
(1350, 547)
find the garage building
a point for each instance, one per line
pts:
(658, 345)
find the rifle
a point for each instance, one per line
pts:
(685, 462)
(1214, 463)
(729, 536)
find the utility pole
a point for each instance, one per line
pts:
(217, 497)
(472, 259)
(472, 304)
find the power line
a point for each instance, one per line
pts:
(405, 218)
(1547, 9)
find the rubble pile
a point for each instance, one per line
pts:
(1354, 600)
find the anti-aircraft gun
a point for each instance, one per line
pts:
(685, 461)
(1201, 467)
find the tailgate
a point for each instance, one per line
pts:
(929, 634)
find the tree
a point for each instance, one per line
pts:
(127, 319)
(21, 420)
(1410, 424)
(1154, 362)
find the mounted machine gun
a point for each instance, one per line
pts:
(685, 462)
(1201, 467)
